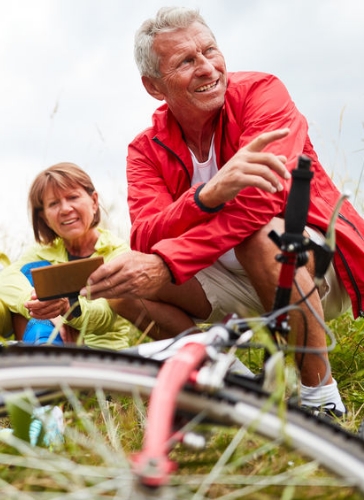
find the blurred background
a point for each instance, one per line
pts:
(70, 90)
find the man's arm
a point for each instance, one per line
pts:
(250, 166)
(135, 274)
(132, 274)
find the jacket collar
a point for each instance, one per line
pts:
(168, 131)
(105, 244)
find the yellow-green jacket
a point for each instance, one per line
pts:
(98, 324)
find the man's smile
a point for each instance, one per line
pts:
(210, 86)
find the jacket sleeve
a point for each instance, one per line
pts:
(15, 288)
(201, 246)
(97, 318)
(158, 210)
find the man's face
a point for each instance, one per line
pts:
(193, 71)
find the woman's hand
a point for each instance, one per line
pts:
(46, 309)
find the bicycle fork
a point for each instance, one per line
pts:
(152, 465)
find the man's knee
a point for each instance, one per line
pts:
(262, 237)
(190, 297)
(259, 250)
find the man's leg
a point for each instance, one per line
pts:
(263, 272)
(158, 319)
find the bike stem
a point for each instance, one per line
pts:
(292, 243)
(295, 246)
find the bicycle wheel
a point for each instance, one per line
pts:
(252, 450)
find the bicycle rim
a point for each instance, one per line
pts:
(253, 451)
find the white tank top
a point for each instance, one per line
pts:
(203, 172)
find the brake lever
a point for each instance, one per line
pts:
(324, 252)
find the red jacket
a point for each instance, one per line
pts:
(167, 218)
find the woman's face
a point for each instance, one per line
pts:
(69, 212)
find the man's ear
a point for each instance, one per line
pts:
(152, 88)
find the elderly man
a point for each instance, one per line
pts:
(207, 182)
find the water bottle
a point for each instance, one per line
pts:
(50, 421)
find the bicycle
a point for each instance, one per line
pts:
(182, 392)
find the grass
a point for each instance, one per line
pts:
(347, 362)
(101, 445)
(96, 431)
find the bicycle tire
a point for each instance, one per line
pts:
(47, 369)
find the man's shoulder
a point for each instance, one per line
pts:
(163, 125)
(248, 85)
(249, 78)
(146, 132)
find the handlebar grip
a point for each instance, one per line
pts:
(299, 197)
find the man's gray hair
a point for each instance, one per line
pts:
(167, 19)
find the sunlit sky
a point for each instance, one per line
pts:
(70, 90)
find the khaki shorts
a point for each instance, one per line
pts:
(231, 292)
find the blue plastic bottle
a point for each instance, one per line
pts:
(38, 332)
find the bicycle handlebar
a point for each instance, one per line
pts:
(298, 198)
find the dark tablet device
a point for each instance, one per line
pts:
(63, 280)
